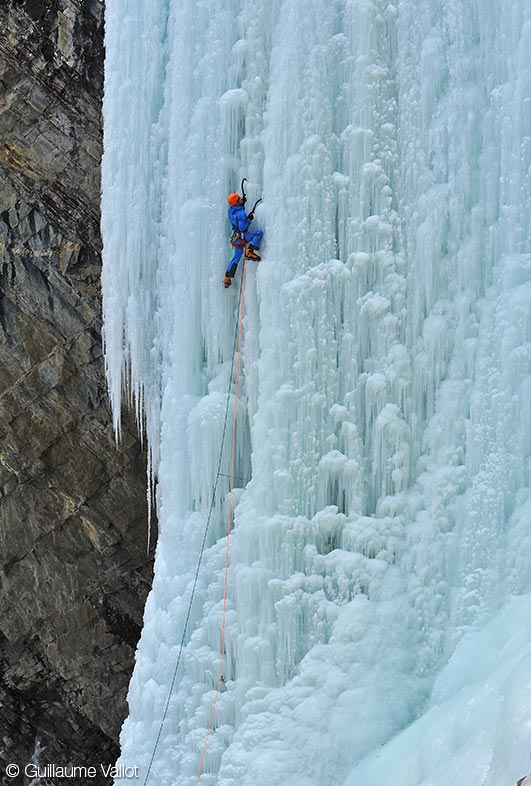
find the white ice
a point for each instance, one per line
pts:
(380, 563)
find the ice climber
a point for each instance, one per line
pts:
(241, 239)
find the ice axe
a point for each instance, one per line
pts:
(251, 214)
(244, 197)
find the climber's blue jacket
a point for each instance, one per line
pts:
(238, 218)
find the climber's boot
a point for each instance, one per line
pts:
(250, 253)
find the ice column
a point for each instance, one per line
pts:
(383, 441)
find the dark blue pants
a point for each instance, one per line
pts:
(254, 238)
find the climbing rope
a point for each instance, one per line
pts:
(235, 346)
(227, 542)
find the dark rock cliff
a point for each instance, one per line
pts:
(73, 567)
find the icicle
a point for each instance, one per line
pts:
(383, 429)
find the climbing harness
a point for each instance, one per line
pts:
(237, 239)
(236, 354)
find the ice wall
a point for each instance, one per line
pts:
(381, 551)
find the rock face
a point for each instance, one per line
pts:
(74, 572)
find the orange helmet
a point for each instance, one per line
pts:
(232, 199)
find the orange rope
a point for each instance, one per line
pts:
(229, 514)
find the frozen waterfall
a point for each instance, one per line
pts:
(379, 619)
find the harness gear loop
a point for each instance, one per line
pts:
(237, 239)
